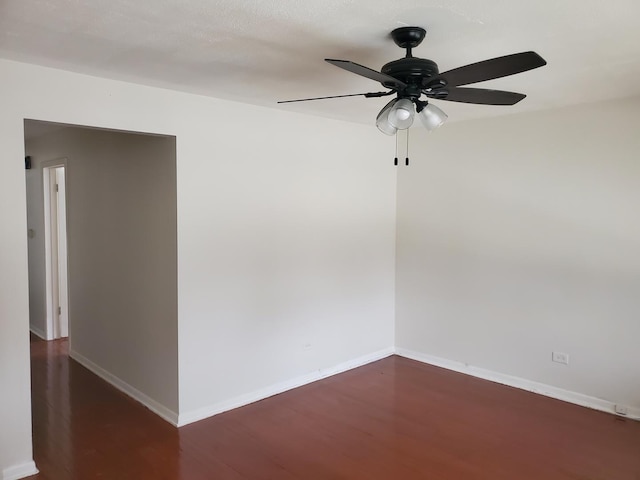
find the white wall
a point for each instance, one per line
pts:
(122, 261)
(15, 400)
(520, 235)
(288, 265)
(286, 236)
(36, 249)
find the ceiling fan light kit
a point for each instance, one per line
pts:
(382, 120)
(432, 117)
(410, 78)
(401, 114)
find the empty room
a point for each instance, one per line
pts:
(330, 240)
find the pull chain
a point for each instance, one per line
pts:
(395, 160)
(406, 160)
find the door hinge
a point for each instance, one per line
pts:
(59, 310)
(56, 187)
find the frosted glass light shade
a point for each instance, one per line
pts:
(382, 121)
(432, 117)
(401, 114)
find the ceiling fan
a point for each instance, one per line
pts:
(410, 78)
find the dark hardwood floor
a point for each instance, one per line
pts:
(393, 419)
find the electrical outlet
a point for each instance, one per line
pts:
(560, 357)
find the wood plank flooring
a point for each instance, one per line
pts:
(393, 419)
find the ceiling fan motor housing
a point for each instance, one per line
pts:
(413, 71)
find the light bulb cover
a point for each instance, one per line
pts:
(401, 114)
(432, 117)
(382, 120)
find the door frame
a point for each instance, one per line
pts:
(55, 232)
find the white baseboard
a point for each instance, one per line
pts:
(521, 383)
(37, 332)
(251, 397)
(124, 387)
(19, 471)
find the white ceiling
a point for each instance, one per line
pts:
(263, 51)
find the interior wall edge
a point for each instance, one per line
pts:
(156, 407)
(281, 387)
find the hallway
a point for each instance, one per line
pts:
(84, 428)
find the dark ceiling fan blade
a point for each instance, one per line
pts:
(366, 72)
(367, 95)
(481, 96)
(493, 68)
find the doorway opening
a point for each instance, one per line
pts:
(108, 302)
